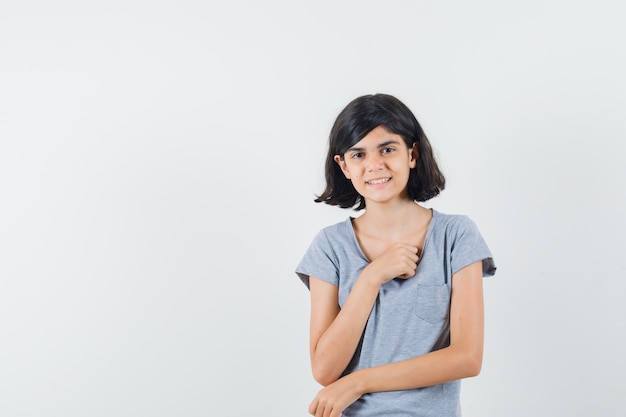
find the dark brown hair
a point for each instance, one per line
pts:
(355, 121)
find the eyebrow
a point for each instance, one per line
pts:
(381, 145)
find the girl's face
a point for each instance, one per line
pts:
(379, 165)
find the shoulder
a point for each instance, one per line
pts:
(453, 222)
(330, 238)
(339, 231)
(325, 253)
(455, 227)
(460, 235)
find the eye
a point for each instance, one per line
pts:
(356, 155)
(387, 150)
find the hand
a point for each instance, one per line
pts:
(398, 261)
(336, 397)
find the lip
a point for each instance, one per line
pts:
(385, 181)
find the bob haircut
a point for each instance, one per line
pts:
(355, 121)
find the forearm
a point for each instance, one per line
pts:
(336, 346)
(433, 368)
(461, 359)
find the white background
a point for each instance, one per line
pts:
(159, 160)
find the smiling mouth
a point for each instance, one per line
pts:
(378, 181)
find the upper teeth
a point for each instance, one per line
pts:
(378, 181)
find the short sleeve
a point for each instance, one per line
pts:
(468, 246)
(319, 261)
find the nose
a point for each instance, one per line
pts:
(374, 161)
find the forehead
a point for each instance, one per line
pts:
(377, 136)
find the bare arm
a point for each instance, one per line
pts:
(335, 332)
(463, 358)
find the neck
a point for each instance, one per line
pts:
(394, 220)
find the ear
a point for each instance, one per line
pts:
(413, 156)
(342, 164)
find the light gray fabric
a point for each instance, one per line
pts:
(410, 316)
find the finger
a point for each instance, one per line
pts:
(321, 409)
(408, 274)
(412, 249)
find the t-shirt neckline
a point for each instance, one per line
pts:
(356, 244)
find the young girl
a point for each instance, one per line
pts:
(396, 293)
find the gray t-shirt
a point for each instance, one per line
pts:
(410, 316)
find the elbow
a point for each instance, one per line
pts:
(324, 376)
(468, 361)
(472, 364)
(323, 380)
(473, 368)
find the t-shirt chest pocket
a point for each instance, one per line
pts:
(432, 302)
